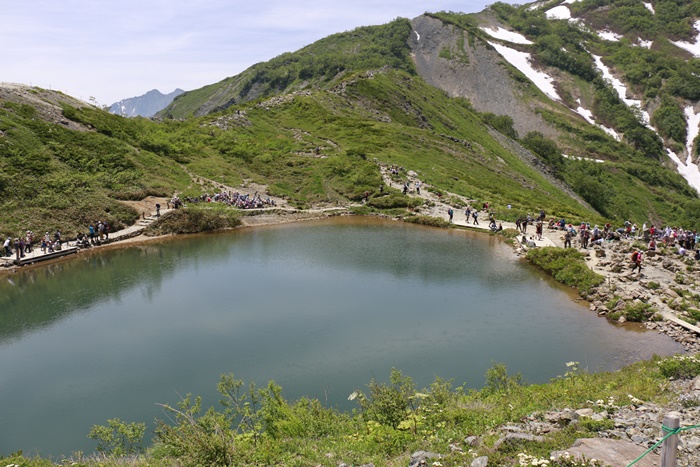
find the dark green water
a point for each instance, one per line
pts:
(320, 308)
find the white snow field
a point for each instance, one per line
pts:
(521, 61)
(506, 35)
(693, 48)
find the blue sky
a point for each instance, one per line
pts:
(112, 50)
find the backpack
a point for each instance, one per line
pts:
(635, 255)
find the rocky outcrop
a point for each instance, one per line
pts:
(474, 71)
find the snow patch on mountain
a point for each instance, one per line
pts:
(693, 48)
(693, 120)
(521, 61)
(558, 12)
(610, 36)
(578, 158)
(645, 44)
(621, 89)
(506, 35)
(688, 170)
(588, 115)
(650, 7)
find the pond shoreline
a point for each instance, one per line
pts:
(609, 260)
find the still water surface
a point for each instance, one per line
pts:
(321, 308)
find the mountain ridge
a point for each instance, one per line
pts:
(562, 58)
(145, 105)
(313, 125)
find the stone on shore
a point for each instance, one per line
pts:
(609, 452)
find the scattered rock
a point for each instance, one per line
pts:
(480, 462)
(471, 441)
(610, 452)
(517, 436)
(421, 458)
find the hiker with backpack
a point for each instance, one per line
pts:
(637, 261)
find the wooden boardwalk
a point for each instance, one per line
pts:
(37, 256)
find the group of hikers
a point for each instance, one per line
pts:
(234, 199)
(98, 232)
(23, 245)
(472, 214)
(585, 236)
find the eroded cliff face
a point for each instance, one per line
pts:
(447, 58)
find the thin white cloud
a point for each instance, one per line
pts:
(116, 49)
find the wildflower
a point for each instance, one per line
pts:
(570, 364)
(633, 399)
(352, 396)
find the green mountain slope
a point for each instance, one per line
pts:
(313, 126)
(318, 64)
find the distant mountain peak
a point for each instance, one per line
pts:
(145, 105)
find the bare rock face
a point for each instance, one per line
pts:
(475, 71)
(610, 452)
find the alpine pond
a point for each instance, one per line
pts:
(319, 307)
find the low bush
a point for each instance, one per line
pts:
(427, 220)
(194, 220)
(680, 367)
(639, 312)
(394, 200)
(566, 266)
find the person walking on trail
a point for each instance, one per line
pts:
(450, 213)
(157, 209)
(475, 216)
(637, 261)
(418, 187)
(468, 213)
(567, 238)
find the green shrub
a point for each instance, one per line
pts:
(387, 404)
(680, 366)
(499, 381)
(596, 425)
(427, 220)
(638, 312)
(118, 438)
(566, 266)
(394, 200)
(193, 220)
(502, 123)
(196, 438)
